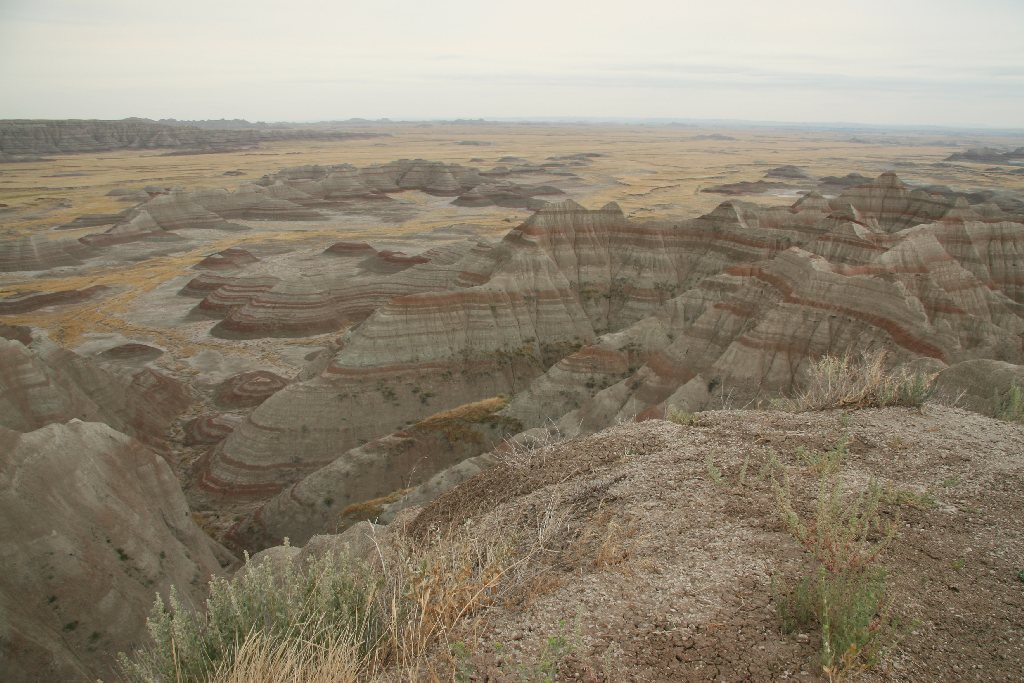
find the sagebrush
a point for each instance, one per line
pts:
(330, 619)
(842, 586)
(862, 382)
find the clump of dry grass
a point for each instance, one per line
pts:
(262, 658)
(864, 382)
(330, 619)
(531, 451)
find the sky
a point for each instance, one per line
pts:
(907, 62)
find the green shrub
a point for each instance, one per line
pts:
(842, 586)
(329, 620)
(848, 382)
(1011, 406)
(317, 603)
(681, 417)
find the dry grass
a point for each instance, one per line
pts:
(260, 658)
(333, 619)
(530, 451)
(862, 382)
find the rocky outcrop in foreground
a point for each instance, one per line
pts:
(93, 524)
(657, 551)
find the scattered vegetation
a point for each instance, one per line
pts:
(542, 668)
(1011, 406)
(531, 451)
(681, 417)
(328, 620)
(714, 473)
(865, 382)
(842, 586)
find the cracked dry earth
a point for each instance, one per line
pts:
(659, 551)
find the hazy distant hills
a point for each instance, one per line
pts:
(27, 140)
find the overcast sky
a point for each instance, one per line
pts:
(938, 62)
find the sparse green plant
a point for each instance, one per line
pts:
(904, 497)
(539, 668)
(681, 417)
(1010, 407)
(842, 587)
(741, 480)
(850, 383)
(825, 462)
(712, 469)
(959, 564)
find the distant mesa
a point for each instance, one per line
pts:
(132, 352)
(988, 155)
(507, 194)
(92, 220)
(248, 389)
(714, 136)
(788, 172)
(31, 301)
(843, 182)
(742, 188)
(400, 258)
(28, 139)
(474, 143)
(581, 156)
(234, 257)
(350, 249)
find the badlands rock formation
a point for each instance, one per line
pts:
(43, 383)
(302, 193)
(93, 524)
(586, 318)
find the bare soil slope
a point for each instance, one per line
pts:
(662, 542)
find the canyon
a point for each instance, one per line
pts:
(207, 354)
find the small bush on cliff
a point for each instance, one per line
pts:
(330, 620)
(326, 603)
(849, 382)
(842, 587)
(1011, 406)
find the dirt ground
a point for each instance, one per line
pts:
(661, 543)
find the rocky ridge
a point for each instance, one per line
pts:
(29, 139)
